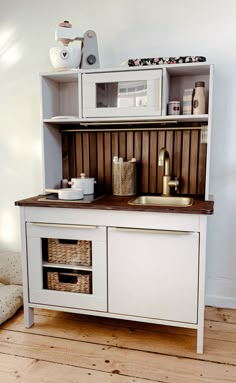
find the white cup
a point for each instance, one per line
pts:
(65, 57)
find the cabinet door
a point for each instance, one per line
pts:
(67, 265)
(117, 94)
(153, 274)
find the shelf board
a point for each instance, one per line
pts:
(66, 266)
(191, 69)
(62, 121)
(200, 67)
(123, 121)
(62, 76)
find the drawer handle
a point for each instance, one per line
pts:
(64, 226)
(152, 231)
(67, 278)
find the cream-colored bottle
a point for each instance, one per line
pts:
(199, 98)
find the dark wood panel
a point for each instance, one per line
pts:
(65, 156)
(160, 169)
(108, 161)
(79, 155)
(201, 169)
(122, 139)
(145, 162)
(72, 156)
(169, 146)
(115, 144)
(153, 163)
(138, 156)
(93, 152)
(185, 162)
(100, 176)
(193, 174)
(86, 149)
(130, 145)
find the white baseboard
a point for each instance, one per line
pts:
(221, 292)
(221, 302)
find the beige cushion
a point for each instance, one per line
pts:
(10, 268)
(11, 299)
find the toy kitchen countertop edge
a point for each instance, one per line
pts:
(109, 202)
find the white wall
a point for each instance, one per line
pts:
(125, 29)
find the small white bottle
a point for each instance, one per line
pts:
(199, 98)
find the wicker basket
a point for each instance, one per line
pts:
(78, 253)
(76, 282)
(124, 178)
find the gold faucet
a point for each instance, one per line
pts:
(167, 183)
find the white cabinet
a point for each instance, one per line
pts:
(144, 266)
(67, 265)
(153, 273)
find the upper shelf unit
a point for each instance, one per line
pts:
(123, 94)
(60, 95)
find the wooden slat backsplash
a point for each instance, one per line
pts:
(92, 153)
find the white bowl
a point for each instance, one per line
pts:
(70, 194)
(65, 57)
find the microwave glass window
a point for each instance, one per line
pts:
(123, 94)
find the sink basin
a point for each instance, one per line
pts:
(161, 201)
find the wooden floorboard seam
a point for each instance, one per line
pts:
(117, 372)
(219, 321)
(180, 357)
(105, 344)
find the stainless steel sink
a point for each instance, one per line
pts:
(161, 201)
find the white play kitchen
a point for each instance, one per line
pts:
(135, 247)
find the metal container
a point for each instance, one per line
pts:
(173, 108)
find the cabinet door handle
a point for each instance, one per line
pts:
(175, 232)
(64, 226)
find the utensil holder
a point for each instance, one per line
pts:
(124, 178)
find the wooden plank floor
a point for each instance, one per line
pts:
(64, 347)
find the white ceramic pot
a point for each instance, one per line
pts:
(67, 193)
(85, 183)
(65, 57)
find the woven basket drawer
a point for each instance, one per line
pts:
(78, 253)
(76, 282)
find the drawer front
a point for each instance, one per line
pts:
(67, 265)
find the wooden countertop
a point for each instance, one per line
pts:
(118, 203)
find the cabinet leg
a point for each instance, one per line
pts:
(200, 340)
(28, 316)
